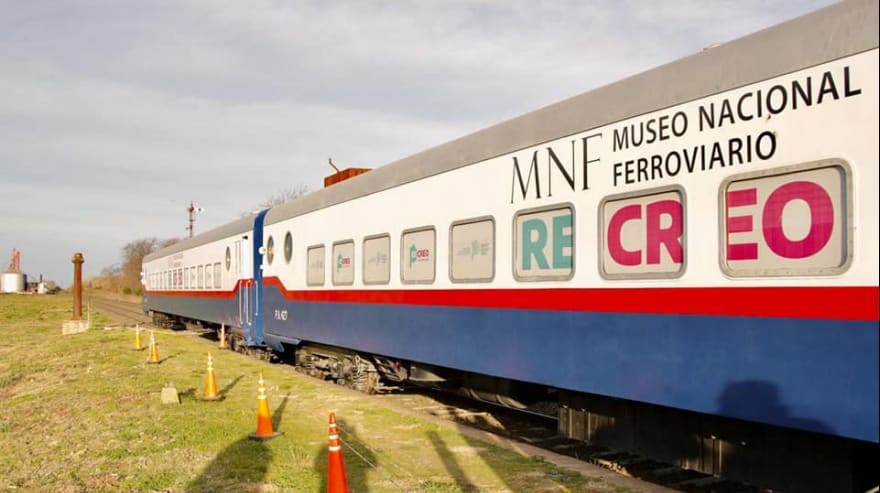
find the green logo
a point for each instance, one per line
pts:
(412, 255)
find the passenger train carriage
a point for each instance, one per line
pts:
(693, 248)
(209, 278)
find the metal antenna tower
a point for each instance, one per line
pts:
(192, 209)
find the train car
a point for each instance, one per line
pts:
(209, 279)
(699, 238)
(685, 262)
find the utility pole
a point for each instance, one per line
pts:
(192, 209)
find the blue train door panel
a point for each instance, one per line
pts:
(249, 251)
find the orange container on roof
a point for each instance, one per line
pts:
(342, 175)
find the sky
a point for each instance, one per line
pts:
(115, 115)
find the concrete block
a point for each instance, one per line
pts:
(169, 395)
(74, 326)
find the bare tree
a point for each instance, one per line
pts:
(167, 242)
(280, 197)
(126, 275)
(132, 257)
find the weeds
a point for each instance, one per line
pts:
(81, 412)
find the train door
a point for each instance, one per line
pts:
(243, 268)
(255, 320)
(249, 259)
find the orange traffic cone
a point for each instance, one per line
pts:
(154, 350)
(211, 382)
(223, 344)
(264, 420)
(336, 482)
(137, 338)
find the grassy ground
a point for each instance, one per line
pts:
(82, 412)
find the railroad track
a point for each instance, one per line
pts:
(539, 430)
(119, 311)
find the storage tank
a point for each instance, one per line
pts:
(12, 282)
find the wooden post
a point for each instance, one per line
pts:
(77, 286)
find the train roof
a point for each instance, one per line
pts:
(239, 226)
(833, 32)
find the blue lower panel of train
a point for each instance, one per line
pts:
(218, 310)
(814, 375)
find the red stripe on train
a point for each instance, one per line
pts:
(841, 303)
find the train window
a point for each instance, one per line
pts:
(418, 255)
(167, 279)
(228, 259)
(643, 234)
(543, 246)
(201, 279)
(377, 269)
(208, 276)
(288, 247)
(217, 275)
(186, 278)
(315, 266)
(472, 250)
(343, 262)
(192, 277)
(790, 221)
(270, 250)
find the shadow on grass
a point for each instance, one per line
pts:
(189, 393)
(161, 359)
(225, 390)
(243, 463)
(241, 466)
(279, 412)
(452, 468)
(356, 456)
